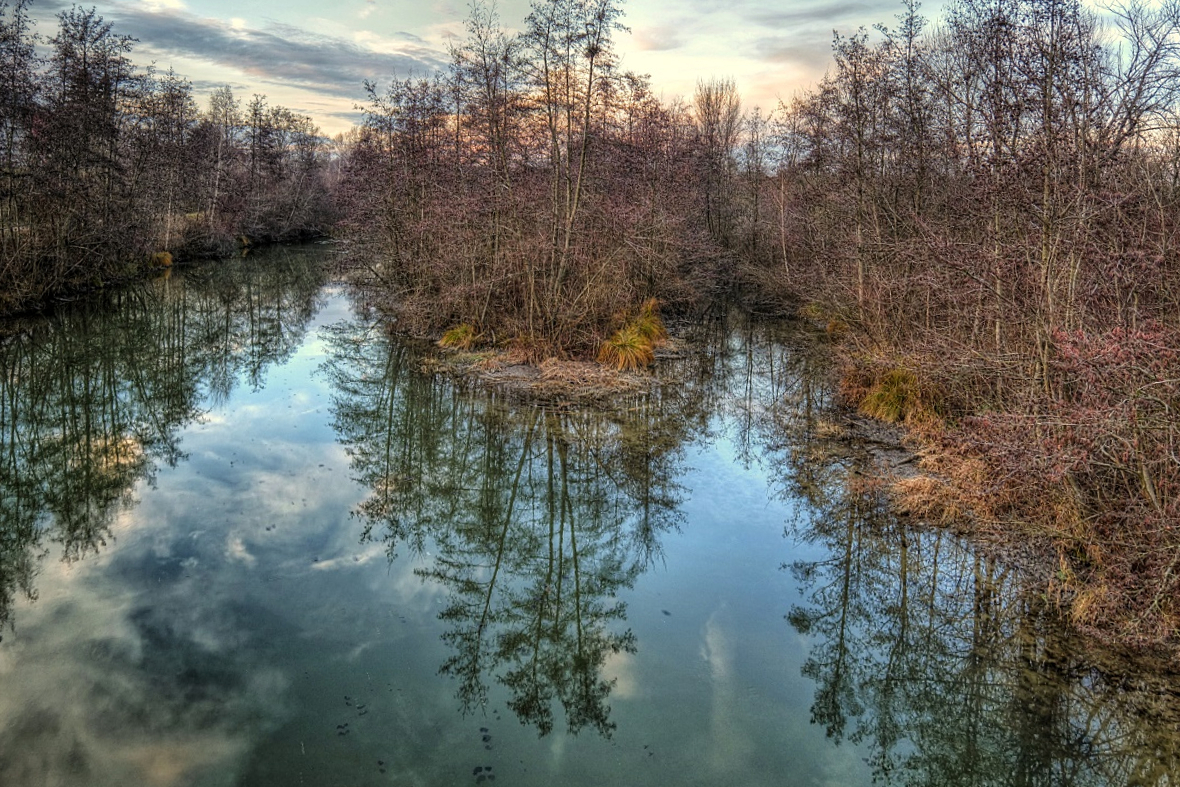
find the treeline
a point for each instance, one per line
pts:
(105, 167)
(534, 192)
(988, 211)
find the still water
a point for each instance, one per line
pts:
(245, 539)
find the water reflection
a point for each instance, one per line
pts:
(92, 399)
(618, 574)
(944, 665)
(537, 518)
(939, 662)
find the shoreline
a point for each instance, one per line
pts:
(898, 458)
(896, 454)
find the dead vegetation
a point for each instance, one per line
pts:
(552, 380)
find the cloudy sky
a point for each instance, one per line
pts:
(313, 56)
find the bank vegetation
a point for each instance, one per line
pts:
(107, 168)
(982, 210)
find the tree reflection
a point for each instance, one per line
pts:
(538, 515)
(93, 398)
(948, 667)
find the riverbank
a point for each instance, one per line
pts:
(935, 471)
(39, 297)
(1054, 483)
(1021, 475)
(551, 380)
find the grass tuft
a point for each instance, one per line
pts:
(648, 325)
(633, 345)
(626, 350)
(462, 337)
(897, 397)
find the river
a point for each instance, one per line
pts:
(246, 538)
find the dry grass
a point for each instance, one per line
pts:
(461, 337)
(575, 375)
(648, 325)
(929, 499)
(893, 397)
(633, 345)
(626, 350)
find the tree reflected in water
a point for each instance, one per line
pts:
(536, 517)
(945, 664)
(92, 398)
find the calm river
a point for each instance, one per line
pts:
(246, 540)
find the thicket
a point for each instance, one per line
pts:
(534, 192)
(106, 168)
(985, 211)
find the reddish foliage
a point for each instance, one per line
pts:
(1094, 461)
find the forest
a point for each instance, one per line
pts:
(982, 212)
(108, 169)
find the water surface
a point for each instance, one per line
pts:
(245, 539)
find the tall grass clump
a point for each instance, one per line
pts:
(462, 337)
(896, 396)
(633, 345)
(648, 325)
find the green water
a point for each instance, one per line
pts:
(246, 540)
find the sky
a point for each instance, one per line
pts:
(313, 56)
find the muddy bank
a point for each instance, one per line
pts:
(552, 381)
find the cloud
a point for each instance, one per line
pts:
(281, 53)
(800, 36)
(658, 39)
(276, 53)
(826, 15)
(809, 53)
(209, 85)
(159, 5)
